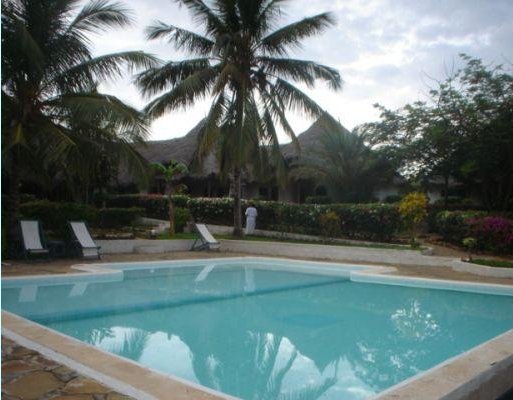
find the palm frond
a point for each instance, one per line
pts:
(158, 79)
(193, 88)
(290, 36)
(302, 71)
(182, 39)
(204, 15)
(295, 99)
(99, 15)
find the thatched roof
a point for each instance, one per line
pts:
(182, 149)
(308, 140)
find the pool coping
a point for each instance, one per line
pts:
(471, 368)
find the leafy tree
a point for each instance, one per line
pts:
(49, 80)
(170, 173)
(345, 164)
(242, 62)
(464, 131)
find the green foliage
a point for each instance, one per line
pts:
(318, 200)
(155, 206)
(464, 131)
(329, 224)
(453, 225)
(55, 215)
(358, 221)
(345, 164)
(393, 198)
(117, 217)
(182, 217)
(493, 263)
(180, 200)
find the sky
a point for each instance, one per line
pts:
(387, 51)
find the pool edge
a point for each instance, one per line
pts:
(455, 378)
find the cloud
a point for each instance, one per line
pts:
(386, 50)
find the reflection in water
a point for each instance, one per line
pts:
(306, 338)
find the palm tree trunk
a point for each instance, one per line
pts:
(237, 209)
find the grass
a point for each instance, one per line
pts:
(493, 263)
(283, 240)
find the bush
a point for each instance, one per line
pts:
(359, 221)
(393, 198)
(318, 200)
(117, 217)
(182, 216)
(154, 205)
(180, 200)
(55, 216)
(493, 233)
(329, 225)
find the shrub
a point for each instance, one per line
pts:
(154, 205)
(453, 225)
(318, 200)
(55, 216)
(182, 216)
(180, 200)
(413, 210)
(393, 198)
(493, 233)
(117, 217)
(329, 224)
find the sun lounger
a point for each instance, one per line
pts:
(206, 241)
(83, 240)
(32, 235)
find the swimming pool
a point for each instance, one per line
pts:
(264, 328)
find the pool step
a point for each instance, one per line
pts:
(148, 249)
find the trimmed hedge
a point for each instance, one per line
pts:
(117, 217)
(55, 215)
(359, 221)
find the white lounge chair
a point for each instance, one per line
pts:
(32, 234)
(84, 241)
(206, 241)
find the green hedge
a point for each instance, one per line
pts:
(117, 217)
(55, 215)
(359, 221)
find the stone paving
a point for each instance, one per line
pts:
(27, 375)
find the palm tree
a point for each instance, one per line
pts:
(241, 62)
(170, 173)
(345, 164)
(49, 80)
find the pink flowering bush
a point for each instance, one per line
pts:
(493, 233)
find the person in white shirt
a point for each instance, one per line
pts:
(251, 214)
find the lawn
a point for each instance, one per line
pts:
(283, 240)
(493, 263)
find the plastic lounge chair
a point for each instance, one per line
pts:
(83, 240)
(33, 239)
(206, 241)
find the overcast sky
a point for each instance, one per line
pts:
(386, 51)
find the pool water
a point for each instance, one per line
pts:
(258, 333)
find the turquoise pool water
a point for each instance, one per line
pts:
(266, 334)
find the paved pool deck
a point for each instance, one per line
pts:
(63, 266)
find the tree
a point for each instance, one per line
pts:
(345, 164)
(241, 61)
(170, 173)
(465, 131)
(49, 80)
